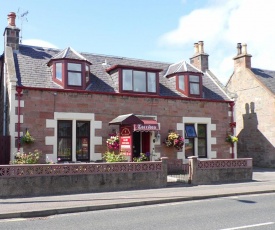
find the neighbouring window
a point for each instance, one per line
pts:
(194, 84)
(202, 141)
(182, 82)
(139, 78)
(82, 140)
(64, 141)
(196, 140)
(190, 131)
(127, 79)
(151, 82)
(189, 147)
(58, 71)
(74, 74)
(190, 134)
(139, 81)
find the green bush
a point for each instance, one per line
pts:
(113, 157)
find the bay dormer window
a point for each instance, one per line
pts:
(189, 84)
(71, 74)
(70, 70)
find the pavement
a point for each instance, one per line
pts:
(29, 207)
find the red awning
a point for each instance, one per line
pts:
(148, 125)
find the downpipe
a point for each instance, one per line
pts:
(232, 126)
(19, 91)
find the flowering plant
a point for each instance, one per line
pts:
(231, 139)
(113, 142)
(24, 158)
(142, 157)
(27, 138)
(174, 140)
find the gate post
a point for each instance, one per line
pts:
(193, 161)
(164, 162)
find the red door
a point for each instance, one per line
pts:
(146, 142)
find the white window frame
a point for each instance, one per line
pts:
(210, 140)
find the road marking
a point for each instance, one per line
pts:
(13, 220)
(249, 226)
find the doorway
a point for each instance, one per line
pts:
(141, 143)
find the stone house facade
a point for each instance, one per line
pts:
(66, 101)
(255, 91)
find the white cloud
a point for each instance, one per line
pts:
(221, 25)
(37, 42)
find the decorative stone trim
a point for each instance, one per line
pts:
(7, 171)
(94, 140)
(210, 140)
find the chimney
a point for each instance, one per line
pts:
(11, 33)
(242, 60)
(199, 59)
(196, 48)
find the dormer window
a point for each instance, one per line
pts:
(139, 81)
(189, 84)
(70, 70)
(188, 79)
(136, 79)
(71, 74)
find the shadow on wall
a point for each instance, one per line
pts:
(252, 143)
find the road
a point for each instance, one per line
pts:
(252, 212)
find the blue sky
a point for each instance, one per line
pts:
(160, 30)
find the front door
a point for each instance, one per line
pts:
(136, 144)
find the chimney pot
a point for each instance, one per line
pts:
(244, 48)
(11, 19)
(201, 49)
(239, 48)
(196, 48)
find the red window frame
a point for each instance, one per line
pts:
(85, 74)
(146, 81)
(187, 84)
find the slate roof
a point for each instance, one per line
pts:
(179, 67)
(33, 71)
(69, 53)
(267, 77)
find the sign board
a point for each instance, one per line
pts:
(125, 140)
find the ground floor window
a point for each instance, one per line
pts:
(82, 140)
(64, 141)
(196, 140)
(67, 135)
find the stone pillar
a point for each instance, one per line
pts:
(193, 160)
(164, 161)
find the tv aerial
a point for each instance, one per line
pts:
(22, 18)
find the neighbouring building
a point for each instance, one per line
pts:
(255, 109)
(70, 102)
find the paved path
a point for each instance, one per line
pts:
(263, 182)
